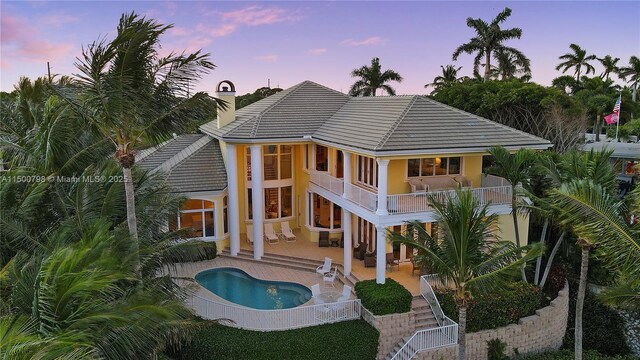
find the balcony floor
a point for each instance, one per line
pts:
(303, 248)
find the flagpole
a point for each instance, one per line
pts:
(619, 113)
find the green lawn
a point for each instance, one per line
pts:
(348, 340)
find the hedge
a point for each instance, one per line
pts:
(496, 309)
(346, 340)
(602, 327)
(569, 355)
(383, 299)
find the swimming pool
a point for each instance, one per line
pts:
(241, 288)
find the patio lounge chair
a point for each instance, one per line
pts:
(286, 231)
(391, 261)
(330, 278)
(250, 234)
(270, 234)
(323, 239)
(315, 293)
(325, 268)
(346, 293)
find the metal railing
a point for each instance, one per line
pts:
(488, 180)
(279, 319)
(445, 334)
(326, 181)
(420, 202)
(363, 197)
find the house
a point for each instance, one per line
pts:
(326, 162)
(625, 156)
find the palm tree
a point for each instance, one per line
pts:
(578, 59)
(610, 66)
(469, 257)
(372, 78)
(490, 39)
(449, 77)
(510, 67)
(631, 74)
(133, 97)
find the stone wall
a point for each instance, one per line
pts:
(533, 334)
(392, 328)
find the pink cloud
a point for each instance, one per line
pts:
(268, 58)
(370, 41)
(249, 17)
(59, 19)
(178, 31)
(317, 51)
(22, 41)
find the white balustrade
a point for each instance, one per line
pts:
(328, 182)
(421, 202)
(278, 319)
(360, 196)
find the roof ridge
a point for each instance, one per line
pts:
(395, 124)
(485, 119)
(258, 116)
(184, 154)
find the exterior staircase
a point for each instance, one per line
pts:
(290, 262)
(424, 317)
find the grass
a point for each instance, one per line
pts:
(348, 340)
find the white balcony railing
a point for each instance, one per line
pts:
(363, 197)
(326, 181)
(420, 202)
(279, 319)
(358, 195)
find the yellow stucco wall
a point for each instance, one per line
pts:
(507, 231)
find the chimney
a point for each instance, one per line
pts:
(226, 91)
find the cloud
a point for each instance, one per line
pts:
(268, 58)
(370, 41)
(251, 16)
(58, 19)
(22, 41)
(317, 51)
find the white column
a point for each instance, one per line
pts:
(257, 201)
(383, 170)
(381, 251)
(346, 164)
(233, 201)
(348, 243)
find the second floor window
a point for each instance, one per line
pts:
(367, 171)
(322, 158)
(434, 166)
(277, 162)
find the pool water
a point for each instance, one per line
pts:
(238, 287)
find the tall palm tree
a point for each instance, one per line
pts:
(576, 59)
(490, 38)
(631, 74)
(134, 97)
(372, 78)
(610, 66)
(469, 257)
(449, 77)
(509, 66)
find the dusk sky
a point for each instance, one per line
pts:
(289, 42)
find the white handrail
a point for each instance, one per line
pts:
(326, 181)
(358, 195)
(420, 202)
(277, 319)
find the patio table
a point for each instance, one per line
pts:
(329, 296)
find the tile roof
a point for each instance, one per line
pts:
(620, 150)
(192, 163)
(376, 124)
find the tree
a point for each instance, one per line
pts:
(372, 78)
(259, 94)
(610, 66)
(631, 74)
(449, 76)
(566, 83)
(598, 96)
(577, 59)
(510, 67)
(133, 97)
(489, 40)
(469, 258)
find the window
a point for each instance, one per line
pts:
(307, 154)
(225, 214)
(322, 158)
(323, 213)
(196, 215)
(434, 166)
(367, 171)
(278, 202)
(277, 163)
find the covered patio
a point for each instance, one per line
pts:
(305, 249)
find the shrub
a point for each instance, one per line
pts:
(383, 299)
(569, 355)
(602, 326)
(496, 349)
(341, 341)
(496, 309)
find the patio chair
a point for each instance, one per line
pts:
(359, 251)
(346, 293)
(415, 267)
(270, 234)
(370, 259)
(325, 268)
(315, 294)
(330, 278)
(417, 186)
(250, 234)
(391, 261)
(286, 232)
(323, 239)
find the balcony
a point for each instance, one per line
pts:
(494, 193)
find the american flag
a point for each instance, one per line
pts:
(616, 107)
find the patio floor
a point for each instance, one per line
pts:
(303, 248)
